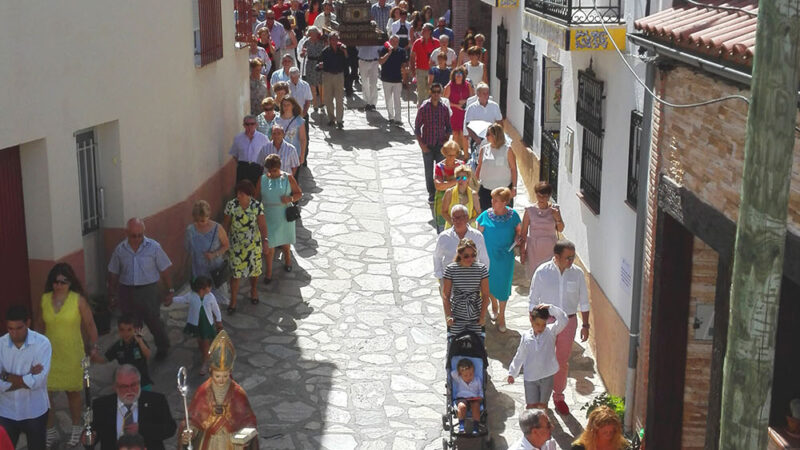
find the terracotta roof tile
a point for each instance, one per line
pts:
(729, 35)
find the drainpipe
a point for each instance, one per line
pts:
(638, 256)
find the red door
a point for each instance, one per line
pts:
(14, 275)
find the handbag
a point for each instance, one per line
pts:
(293, 211)
(223, 273)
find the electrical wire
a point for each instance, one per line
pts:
(654, 95)
(723, 8)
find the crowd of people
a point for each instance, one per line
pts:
(298, 63)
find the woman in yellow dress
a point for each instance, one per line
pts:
(64, 317)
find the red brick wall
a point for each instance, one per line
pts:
(698, 352)
(703, 150)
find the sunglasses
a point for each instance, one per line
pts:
(468, 255)
(462, 178)
(138, 235)
(61, 281)
(436, 92)
(249, 124)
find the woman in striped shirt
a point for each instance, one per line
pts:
(465, 291)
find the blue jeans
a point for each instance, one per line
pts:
(429, 158)
(35, 431)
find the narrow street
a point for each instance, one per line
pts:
(347, 351)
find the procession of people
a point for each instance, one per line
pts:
(298, 65)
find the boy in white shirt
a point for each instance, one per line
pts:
(467, 390)
(537, 354)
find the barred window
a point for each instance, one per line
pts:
(548, 165)
(527, 127)
(207, 19)
(527, 92)
(591, 169)
(589, 112)
(633, 157)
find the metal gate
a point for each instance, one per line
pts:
(501, 69)
(14, 275)
(548, 166)
(87, 177)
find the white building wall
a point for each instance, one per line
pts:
(68, 66)
(603, 241)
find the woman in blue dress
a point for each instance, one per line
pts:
(291, 120)
(278, 190)
(206, 244)
(501, 228)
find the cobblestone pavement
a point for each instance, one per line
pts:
(347, 350)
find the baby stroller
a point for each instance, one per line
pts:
(470, 346)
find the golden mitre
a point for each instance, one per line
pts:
(222, 353)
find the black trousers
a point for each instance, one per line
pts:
(249, 171)
(35, 431)
(351, 70)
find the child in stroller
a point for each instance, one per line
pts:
(467, 390)
(466, 387)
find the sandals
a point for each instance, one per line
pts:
(287, 267)
(75, 436)
(231, 310)
(52, 437)
(254, 300)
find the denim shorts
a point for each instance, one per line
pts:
(539, 391)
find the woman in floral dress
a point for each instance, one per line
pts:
(247, 231)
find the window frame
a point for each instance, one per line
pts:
(634, 151)
(527, 77)
(207, 27)
(591, 169)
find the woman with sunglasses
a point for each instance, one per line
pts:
(465, 291)
(63, 315)
(444, 177)
(501, 229)
(461, 194)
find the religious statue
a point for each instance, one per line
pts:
(220, 416)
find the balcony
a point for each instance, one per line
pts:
(578, 12)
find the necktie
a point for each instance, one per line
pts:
(127, 418)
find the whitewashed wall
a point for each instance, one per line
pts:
(67, 66)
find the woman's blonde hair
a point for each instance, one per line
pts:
(201, 209)
(268, 103)
(497, 132)
(463, 169)
(450, 146)
(502, 193)
(599, 418)
(463, 245)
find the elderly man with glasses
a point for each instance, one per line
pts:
(447, 242)
(536, 431)
(563, 284)
(248, 151)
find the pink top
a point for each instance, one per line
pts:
(542, 237)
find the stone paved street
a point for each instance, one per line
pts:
(347, 350)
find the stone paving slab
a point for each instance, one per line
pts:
(347, 350)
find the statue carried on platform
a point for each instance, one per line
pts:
(220, 416)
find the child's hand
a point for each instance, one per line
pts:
(510, 379)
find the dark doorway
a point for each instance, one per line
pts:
(669, 333)
(501, 70)
(14, 274)
(786, 371)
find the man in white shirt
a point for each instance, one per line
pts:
(24, 366)
(327, 19)
(248, 151)
(483, 109)
(447, 242)
(536, 431)
(444, 43)
(561, 283)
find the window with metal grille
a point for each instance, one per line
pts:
(527, 92)
(591, 168)
(207, 23)
(245, 21)
(527, 126)
(87, 178)
(633, 157)
(548, 164)
(502, 48)
(589, 112)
